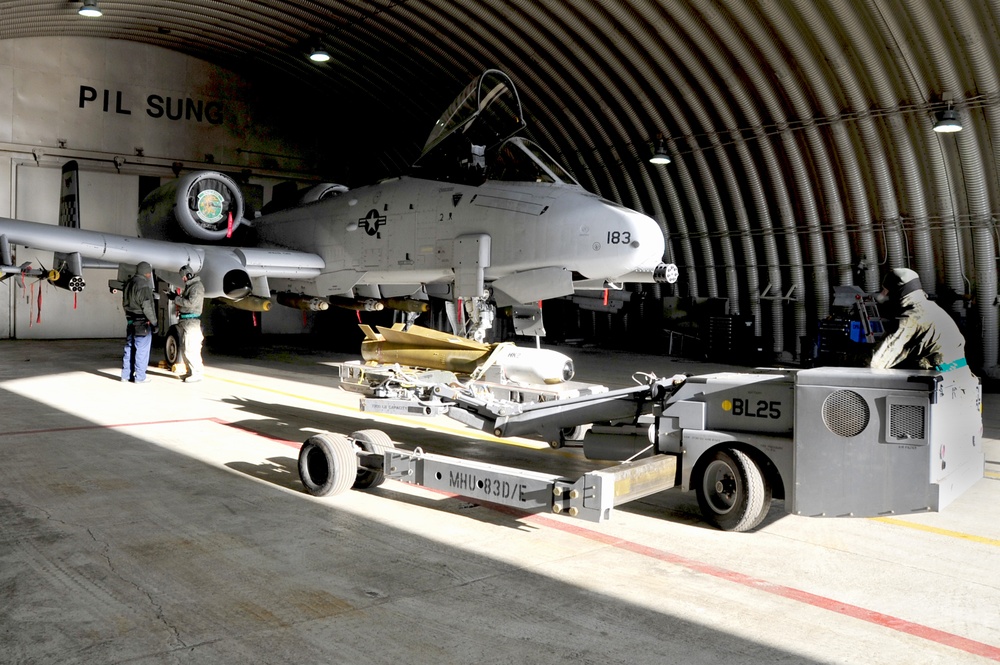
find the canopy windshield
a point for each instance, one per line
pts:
(521, 160)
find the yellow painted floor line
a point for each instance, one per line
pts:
(992, 474)
(993, 542)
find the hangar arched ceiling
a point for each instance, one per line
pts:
(800, 131)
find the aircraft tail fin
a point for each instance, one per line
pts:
(69, 216)
(69, 213)
(69, 196)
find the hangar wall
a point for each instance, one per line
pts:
(122, 110)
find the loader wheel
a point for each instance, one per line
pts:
(328, 464)
(371, 441)
(732, 492)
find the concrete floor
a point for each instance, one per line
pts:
(165, 523)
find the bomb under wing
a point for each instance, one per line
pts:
(303, 302)
(431, 349)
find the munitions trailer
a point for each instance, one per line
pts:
(828, 441)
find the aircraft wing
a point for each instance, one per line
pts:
(226, 271)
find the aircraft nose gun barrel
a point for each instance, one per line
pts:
(665, 273)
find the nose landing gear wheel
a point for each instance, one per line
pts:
(732, 492)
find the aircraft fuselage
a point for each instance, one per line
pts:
(404, 230)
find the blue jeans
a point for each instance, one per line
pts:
(136, 357)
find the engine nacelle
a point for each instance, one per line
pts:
(205, 206)
(322, 192)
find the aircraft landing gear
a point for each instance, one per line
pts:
(172, 346)
(480, 318)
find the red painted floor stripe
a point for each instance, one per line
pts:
(878, 618)
(885, 620)
(78, 428)
(211, 419)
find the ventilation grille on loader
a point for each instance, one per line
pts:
(906, 421)
(845, 413)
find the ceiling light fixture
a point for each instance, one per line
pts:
(947, 121)
(319, 55)
(660, 156)
(90, 9)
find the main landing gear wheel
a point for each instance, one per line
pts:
(172, 346)
(328, 465)
(371, 441)
(732, 492)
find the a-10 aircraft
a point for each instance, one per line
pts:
(484, 219)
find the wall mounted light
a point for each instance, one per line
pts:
(660, 156)
(319, 55)
(90, 9)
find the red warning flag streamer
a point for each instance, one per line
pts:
(229, 225)
(31, 302)
(74, 299)
(39, 319)
(605, 297)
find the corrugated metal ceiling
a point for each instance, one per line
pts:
(801, 131)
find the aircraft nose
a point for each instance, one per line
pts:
(648, 239)
(628, 247)
(631, 239)
(615, 242)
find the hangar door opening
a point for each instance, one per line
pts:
(108, 202)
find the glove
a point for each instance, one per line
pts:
(171, 295)
(154, 328)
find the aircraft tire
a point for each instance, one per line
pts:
(172, 346)
(371, 441)
(328, 465)
(732, 491)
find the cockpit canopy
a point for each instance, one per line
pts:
(484, 114)
(471, 141)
